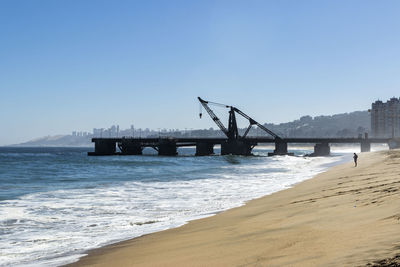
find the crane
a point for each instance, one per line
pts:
(232, 132)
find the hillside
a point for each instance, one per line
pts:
(59, 141)
(339, 125)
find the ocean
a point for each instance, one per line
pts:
(57, 203)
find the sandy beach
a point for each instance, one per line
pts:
(346, 216)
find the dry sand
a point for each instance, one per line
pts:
(346, 216)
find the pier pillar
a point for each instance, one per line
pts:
(280, 148)
(236, 147)
(204, 149)
(365, 146)
(167, 147)
(103, 147)
(322, 149)
(394, 143)
(130, 147)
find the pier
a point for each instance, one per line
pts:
(205, 146)
(232, 144)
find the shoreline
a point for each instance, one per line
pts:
(245, 235)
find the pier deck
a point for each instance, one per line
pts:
(167, 146)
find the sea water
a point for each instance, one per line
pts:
(57, 203)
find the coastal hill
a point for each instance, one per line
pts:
(339, 125)
(58, 141)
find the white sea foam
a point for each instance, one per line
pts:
(57, 227)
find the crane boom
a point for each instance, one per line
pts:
(232, 132)
(213, 116)
(253, 122)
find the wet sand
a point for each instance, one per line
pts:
(346, 216)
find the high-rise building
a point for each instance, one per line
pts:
(385, 118)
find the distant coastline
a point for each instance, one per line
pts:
(56, 141)
(339, 125)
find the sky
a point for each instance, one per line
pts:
(78, 65)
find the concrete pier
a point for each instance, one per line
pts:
(365, 146)
(167, 147)
(204, 149)
(130, 147)
(280, 148)
(322, 149)
(103, 147)
(394, 143)
(236, 147)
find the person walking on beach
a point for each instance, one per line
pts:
(355, 157)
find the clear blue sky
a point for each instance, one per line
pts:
(76, 65)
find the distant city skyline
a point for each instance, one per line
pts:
(68, 65)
